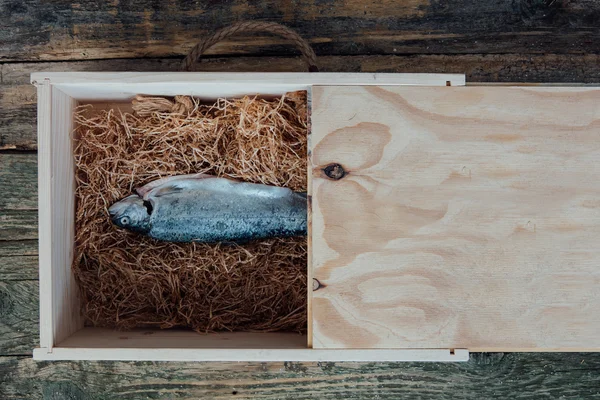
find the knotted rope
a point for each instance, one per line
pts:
(308, 53)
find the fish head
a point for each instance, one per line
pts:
(131, 213)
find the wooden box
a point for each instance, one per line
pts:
(445, 218)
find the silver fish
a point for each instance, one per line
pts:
(205, 208)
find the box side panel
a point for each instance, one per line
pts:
(44, 128)
(468, 217)
(65, 297)
(309, 275)
(112, 86)
(101, 338)
(94, 92)
(255, 355)
(304, 78)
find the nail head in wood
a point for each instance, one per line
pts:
(334, 171)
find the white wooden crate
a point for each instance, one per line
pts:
(62, 332)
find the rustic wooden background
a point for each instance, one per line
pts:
(489, 40)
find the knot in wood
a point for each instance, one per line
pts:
(317, 285)
(334, 171)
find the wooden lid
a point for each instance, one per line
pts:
(456, 217)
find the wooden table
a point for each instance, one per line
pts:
(489, 40)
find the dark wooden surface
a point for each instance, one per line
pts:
(38, 30)
(486, 376)
(489, 40)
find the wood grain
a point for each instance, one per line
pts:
(18, 268)
(18, 98)
(46, 214)
(106, 87)
(48, 28)
(468, 218)
(18, 181)
(45, 31)
(18, 248)
(18, 317)
(485, 376)
(18, 224)
(57, 183)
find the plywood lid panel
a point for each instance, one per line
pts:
(468, 217)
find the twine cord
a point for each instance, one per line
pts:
(308, 54)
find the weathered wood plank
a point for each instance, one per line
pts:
(9, 248)
(18, 97)
(18, 181)
(19, 317)
(468, 217)
(18, 224)
(39, 30)
(477, 67)
(485, 376)
(18, 268)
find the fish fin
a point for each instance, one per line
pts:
(144, 191)
(165, 190)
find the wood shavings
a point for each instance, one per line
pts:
(127, 280)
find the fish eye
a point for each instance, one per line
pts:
(124, 220)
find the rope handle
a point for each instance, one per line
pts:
(308, 54)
